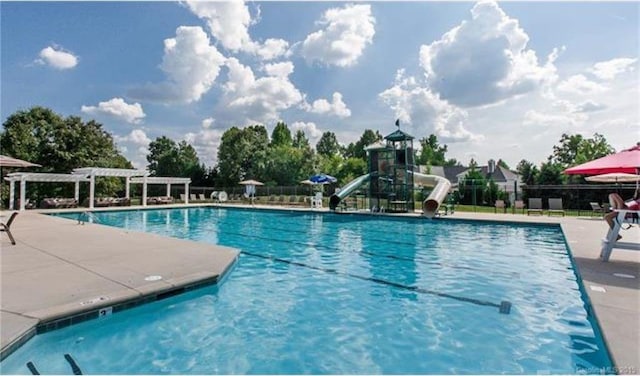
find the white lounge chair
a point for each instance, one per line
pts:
(316, 201)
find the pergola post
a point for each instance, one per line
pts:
(92, 189)
(186, 193)
(12, 195)
(76, 193)
(23, 192)
(144, 191)
(126, 184)
(169, 190)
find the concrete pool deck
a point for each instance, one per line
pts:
(93, 260)
(60, 269)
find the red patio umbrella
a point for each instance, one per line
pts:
(627, 161)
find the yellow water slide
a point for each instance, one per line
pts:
(441, 187)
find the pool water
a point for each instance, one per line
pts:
(345, 294)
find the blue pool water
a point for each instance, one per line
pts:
(345, 294)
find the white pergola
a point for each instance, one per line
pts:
(161, 180)
(24, 177)
(92, 172)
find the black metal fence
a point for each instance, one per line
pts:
(577, 196)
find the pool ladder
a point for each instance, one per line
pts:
(87, 216)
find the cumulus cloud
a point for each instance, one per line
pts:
(137, 137)
(310, 130)
(258, 99)
(229, 21)
(590, 106)
(206, 142)
(579, 84)
(608, 70)
(484, 60)
(56, 57)
(345, 34)
(553, 119)
(425, 111)
(138, 142)
(117, 108)
(323, 106)
(206, 123)
(191, 65)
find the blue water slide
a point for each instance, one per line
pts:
(335, 199)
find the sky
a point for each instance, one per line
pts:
(490, 80)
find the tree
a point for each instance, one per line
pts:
(472, 185)
(432, 153)
(328, 144)
(61, 144)
(550, 174)
(281, 135)
(242, 154)
(503, 164)
(527, 171)
(357, 150)
(575, 149)
(168, 158)
(300, 140)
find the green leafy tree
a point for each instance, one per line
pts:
(300, 140)
(168, 158)
(503, 164)
(550, 174)
(328, 144)
(350, 169)
(60, 145)
(243, 154)
(281, 135)
(528, 172)
(432, 153)
(357, 150)
(575, 149)
(472, 186)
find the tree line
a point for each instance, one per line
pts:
(281, 159)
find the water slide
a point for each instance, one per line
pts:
(429, 206)
(347, 190)
(441, 187)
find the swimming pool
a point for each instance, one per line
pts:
(326, 293)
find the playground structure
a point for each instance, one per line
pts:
(392, 179)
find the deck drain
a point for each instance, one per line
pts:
(597, 288)
(622, 275)
(153, 278)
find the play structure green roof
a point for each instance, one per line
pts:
(398, 135)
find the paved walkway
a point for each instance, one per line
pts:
(92, 261)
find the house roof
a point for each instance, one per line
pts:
(499, 175)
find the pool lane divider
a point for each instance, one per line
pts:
(394, 257)
(504, 306)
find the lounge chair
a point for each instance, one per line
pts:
(596, 208)
(316, 201)
(500, 205)
(518, 204)
(535, 206)
(201, 197)
(6, 227)
(182, 197)
(192, 197)
(555, 206)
